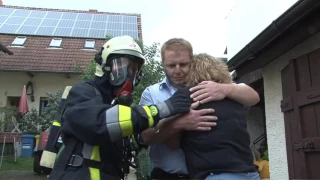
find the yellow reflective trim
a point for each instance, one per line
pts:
(150, 119)
(135, 143)
(95, 155)
(66, 92)
(94, 173)
(56, 123)
(125, 121)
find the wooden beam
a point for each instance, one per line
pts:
(290, 39)
(250, 77)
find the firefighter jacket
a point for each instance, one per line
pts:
(92, 131)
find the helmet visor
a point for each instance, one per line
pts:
(122, 69)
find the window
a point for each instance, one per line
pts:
(19, 41)
(43, 105)
(89, 44)
(13, 101)
(56, 42)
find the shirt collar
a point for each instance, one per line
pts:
(164, 83)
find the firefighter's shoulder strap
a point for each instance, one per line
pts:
(62, 106)
(71, 142)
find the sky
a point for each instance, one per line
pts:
(202, 22)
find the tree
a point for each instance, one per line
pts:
(152, 70)
(51, 110)
(7, 114)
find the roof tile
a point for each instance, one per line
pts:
(36, 55)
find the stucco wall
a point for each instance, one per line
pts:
(274, 116)
(11, 84)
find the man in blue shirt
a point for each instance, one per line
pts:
(176, 59)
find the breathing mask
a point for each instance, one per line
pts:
(123, 75)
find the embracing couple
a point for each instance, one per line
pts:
(211, 141)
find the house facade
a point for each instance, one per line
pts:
(49, 46)
(281, 60)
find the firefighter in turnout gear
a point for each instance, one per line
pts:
(98, 115)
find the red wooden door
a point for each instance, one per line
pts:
(301, 108)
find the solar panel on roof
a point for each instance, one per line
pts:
(49, 22)
(80, 32)
(114, 26)
(6, 11)
(113, 33)
(66, 23)
(100, 17)
(82, 24)
(97, 33)
(8, 28)
(130, 27)
(27, 30)
(15, 20)
(21, 13)
(53, 23)
(3, 18)
(38, 14)
(131, 33)
(68, 15)
(45, 31)
(130, 19)
(115, 18)
(62, 31)
(84, 17)
(33, 21)
(98, 25)
(54, 15)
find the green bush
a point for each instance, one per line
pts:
(7, 113)
(33, 123)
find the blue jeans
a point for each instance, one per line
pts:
(234, 176)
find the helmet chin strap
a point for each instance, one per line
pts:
(124, 94)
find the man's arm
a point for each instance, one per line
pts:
(208, 91)
(174, 141)
(243, 94)
(150, 135)
(160, 133)
(194, 120)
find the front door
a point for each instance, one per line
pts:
(301, 108)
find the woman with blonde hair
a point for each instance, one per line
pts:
(224, 151)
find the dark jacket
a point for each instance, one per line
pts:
(88, 125)
(226, 148)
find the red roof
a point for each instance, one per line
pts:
(36, 55)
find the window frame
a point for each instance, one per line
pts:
(89, 47)
(18, 39)
(42, 102)
(52, 42)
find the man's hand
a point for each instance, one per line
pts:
(208, 91)
(196, 120)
